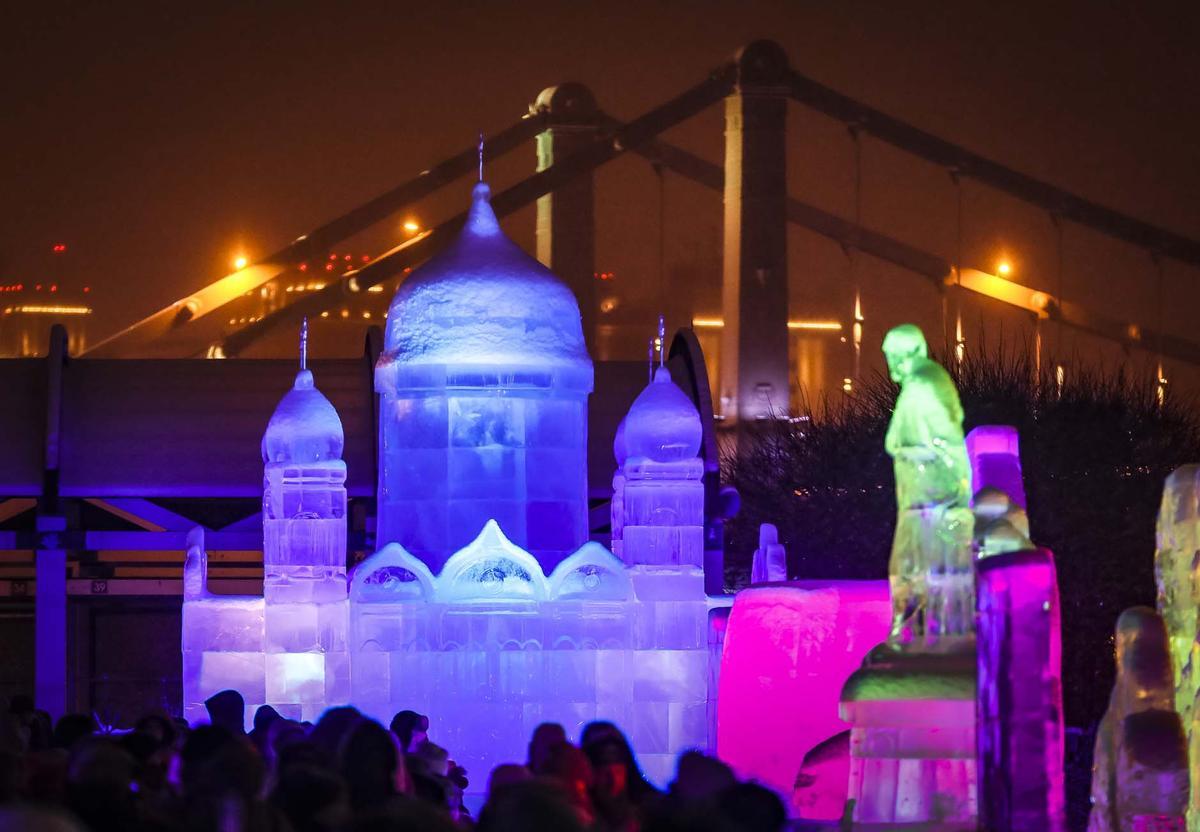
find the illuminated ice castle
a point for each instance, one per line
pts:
(486, 607)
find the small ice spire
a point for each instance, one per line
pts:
(650, 358)
(480, 155)
(662, 341)
(304, 343)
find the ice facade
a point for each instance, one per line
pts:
(483, 387)
(486, 607)
(658, 504)
(492, 646)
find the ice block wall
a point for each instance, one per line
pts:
(1020, 717)
(789, 648)
(491, 647)
(222, 639)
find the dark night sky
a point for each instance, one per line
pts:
(158, 138)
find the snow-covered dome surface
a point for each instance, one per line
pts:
(483, 301)
(662, 424)
(305, 427)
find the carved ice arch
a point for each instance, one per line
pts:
(391, 575)
(492, 568)
(591, 574)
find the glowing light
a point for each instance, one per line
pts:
(1003, 268)
(52, 310)
(375, 289)
(303, 267)
(59, 248)
(325, 314)
(1006, 291)
(411, 226)
(366, 314)
(345, 313)
(847, 385)
(1060, 376)
(960, 342)
(240, 262)
(815, 326)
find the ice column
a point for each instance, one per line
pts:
(1177, 573)
(484, 380)
(1019, 706)
(304, 554)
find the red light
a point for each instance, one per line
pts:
(54, 287)
(303, 267)
(328, 267)
(333, 257)
(348, 257)
(38, 287)
(87, 289)
(366, 258)
(59, 248)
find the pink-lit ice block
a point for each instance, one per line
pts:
(1020, 731)
(789, 648)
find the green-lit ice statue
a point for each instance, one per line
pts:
(931, 569)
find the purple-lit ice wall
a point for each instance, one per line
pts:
(491, 647)
(995, 455)
(1019, 708)
(789, 648)
(484, 380)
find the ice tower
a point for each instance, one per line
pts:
(658, 505)
(288, 647)
(304, 551)
(484, 382)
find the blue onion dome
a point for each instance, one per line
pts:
(483, 302)
(662, 425)
(304, 428)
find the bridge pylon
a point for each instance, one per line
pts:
(754, 341)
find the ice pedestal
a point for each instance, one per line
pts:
(912, 740)
(789, 648)
(1020, 732)
(491, 647)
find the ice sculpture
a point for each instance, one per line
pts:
(788, 649)
(1140, 765)
(658, 506)
(931, 567)
(912, 704)
(287, 648)
(491, 647)
(484, 382)
(1020, 731)
(1177, 574)
(770, 558)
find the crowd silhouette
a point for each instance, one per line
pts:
(346, 773)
